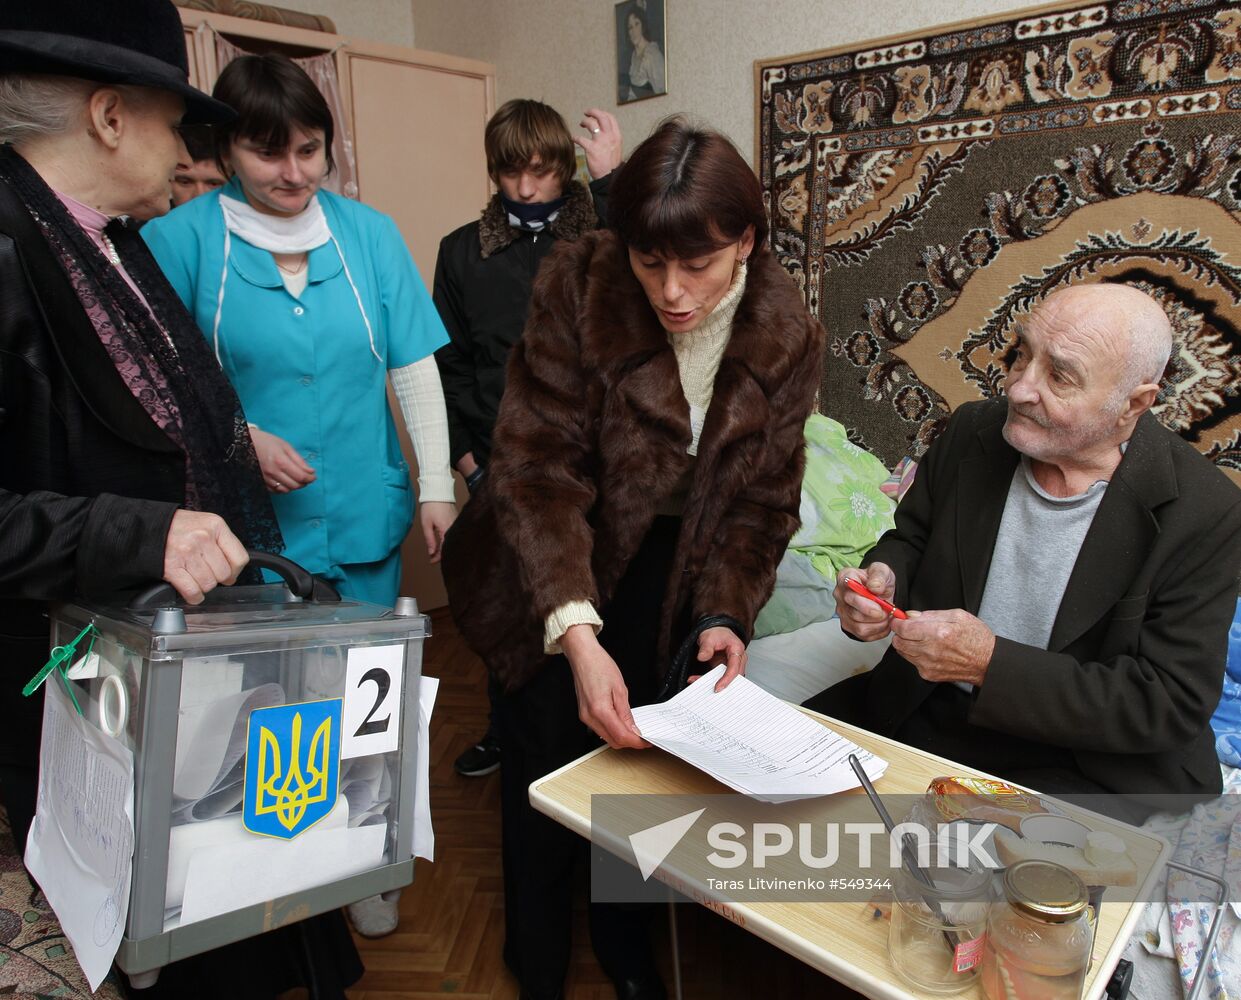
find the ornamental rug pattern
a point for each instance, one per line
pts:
(926, 192)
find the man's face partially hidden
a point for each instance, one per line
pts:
(195, 178)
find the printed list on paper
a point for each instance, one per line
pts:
(81, 844)
(753, 742)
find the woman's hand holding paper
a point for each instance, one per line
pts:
(722, 645)
(602, 697)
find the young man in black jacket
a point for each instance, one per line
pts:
(485, 272)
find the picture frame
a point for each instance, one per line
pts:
(641, 51)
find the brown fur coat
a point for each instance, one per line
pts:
(592, 436)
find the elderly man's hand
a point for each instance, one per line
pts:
(945, 645)
(860, 616)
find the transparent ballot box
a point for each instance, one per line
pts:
(274, 734)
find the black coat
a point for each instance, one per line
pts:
(483, 278)
(88, 488)
(88, 482)
(1135, 662)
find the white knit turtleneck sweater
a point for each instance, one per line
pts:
(698, 353)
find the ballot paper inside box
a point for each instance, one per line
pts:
(274, 740)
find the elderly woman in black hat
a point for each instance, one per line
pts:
(124, 453)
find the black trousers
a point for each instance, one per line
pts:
(540, 731)
(19, 735)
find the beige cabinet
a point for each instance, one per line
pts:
(417, 121)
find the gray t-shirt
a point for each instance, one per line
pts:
(1037, 545)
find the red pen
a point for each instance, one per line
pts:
(857, 588)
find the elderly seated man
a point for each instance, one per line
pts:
(1074, 569)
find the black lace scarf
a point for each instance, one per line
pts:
(163, 359)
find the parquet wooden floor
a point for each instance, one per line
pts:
(452, 918)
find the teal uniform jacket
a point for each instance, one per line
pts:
(303, 366)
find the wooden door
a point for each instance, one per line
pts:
(418, 120)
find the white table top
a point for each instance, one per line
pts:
(843, 940)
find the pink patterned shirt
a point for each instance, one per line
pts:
(92, 222)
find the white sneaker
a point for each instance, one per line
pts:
(375, 916)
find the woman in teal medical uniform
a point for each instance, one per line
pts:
(310, 301)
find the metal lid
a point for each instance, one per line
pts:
(1045, 890)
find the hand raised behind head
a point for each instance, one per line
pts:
(603, 145)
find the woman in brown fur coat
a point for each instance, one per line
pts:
(644, 483)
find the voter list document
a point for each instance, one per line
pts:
(754, 742)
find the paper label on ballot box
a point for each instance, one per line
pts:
(373, 683)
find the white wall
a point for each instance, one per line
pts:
(372, 20)
(563, 51)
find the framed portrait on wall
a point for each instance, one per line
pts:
(641, 50)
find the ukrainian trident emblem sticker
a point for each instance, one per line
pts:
(292, 767)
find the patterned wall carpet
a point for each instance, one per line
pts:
(927, 191)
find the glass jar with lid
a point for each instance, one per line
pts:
(1038, 935)
(939, 917)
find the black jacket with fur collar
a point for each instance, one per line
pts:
(592, 436)
(483, 277)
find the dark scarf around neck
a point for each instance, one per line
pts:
(162, 357)
(575, 217)
(532, 216)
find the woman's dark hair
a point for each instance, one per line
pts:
(640, 18)
(271, 94)
(685, 192)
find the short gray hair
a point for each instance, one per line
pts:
(33, 105)
(1151, 340)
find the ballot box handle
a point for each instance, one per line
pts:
(301, 583)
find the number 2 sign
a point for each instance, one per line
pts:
(372, 716)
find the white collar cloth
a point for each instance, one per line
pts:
(299, 233)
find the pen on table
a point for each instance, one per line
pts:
(887, 606)
(909, 858)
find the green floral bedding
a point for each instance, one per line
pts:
(843, 513)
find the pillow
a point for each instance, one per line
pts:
(897, 484)
(1227, 718)
(843, 513)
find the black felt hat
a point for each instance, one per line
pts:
(140, 42)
